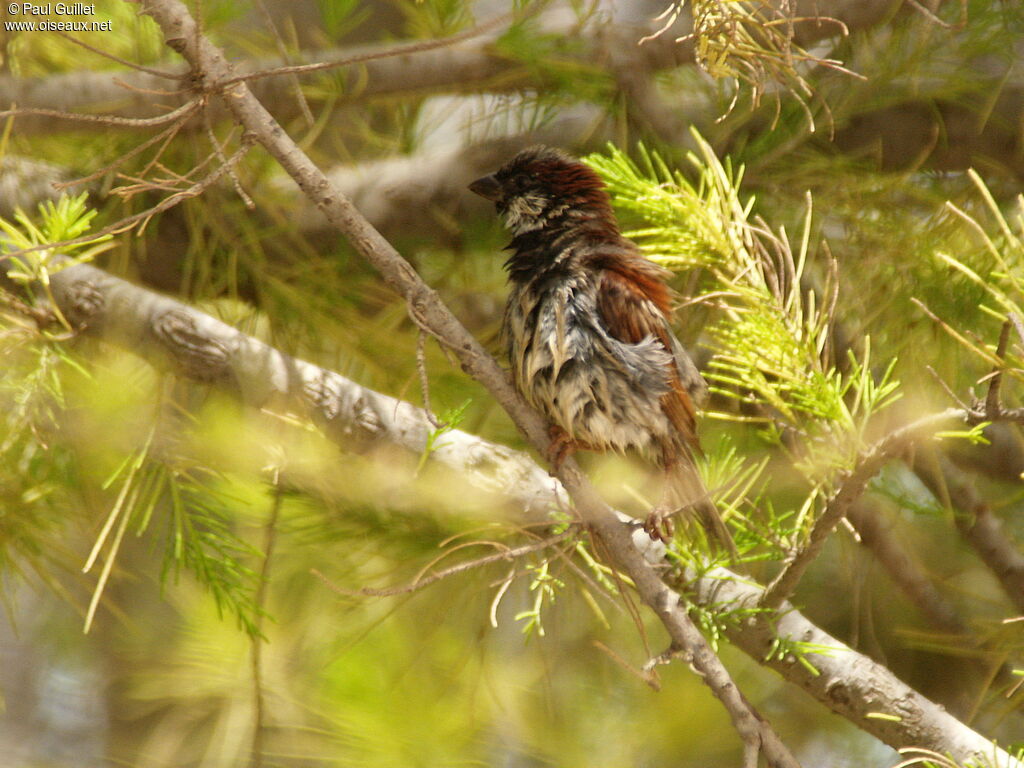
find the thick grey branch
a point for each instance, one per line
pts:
(1002, 459)
(847, 682)
(414, 195)
(25, 182)
(204, 349)
(261, 376)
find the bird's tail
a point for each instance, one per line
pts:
(686, 492)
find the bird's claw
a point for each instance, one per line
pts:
(659, 524)
(561, 447)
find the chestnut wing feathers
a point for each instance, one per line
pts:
(634, 304)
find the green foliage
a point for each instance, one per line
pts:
(678, 224)
(771, 346)
(341, 17)
(738, 485)
(790, 649)
(717, 619)
(202, 538)
(773, 351)
(893, 64)
(998, 273)
(448, 420)
(67, 219)
(556, 61)
(201, 535)
(545, 588)
(435, 18)
(131, 36)
(912, 61)
(37, 473)
(927, 758)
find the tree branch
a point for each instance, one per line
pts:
(205, 350)
(195, 345)
(25, 182)
(847, 682)
(1000, 459)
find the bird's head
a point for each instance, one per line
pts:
(545, 188)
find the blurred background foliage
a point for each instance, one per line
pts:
(212, 616)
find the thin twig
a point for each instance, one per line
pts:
(195, 170)
(945, 387)
(169, 132)
(133, 88)
(118, 59)
(122, 122)
(421, 369)
(127, 192)
(422, 582)
(397, 50)
(282, 49)
(219, 151)
(128, 222)
(993, 405)
(924, 11)
(648, 676)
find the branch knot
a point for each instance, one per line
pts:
(83, 302)
(200, 356)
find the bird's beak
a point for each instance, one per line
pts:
(487, 187)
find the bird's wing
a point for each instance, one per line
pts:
(635, 303)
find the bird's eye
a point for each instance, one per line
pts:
(524, 184)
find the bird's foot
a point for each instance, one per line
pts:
(561, 447)
(659, 524)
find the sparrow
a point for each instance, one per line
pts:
(588, 331)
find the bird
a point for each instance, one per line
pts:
(587, 329)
